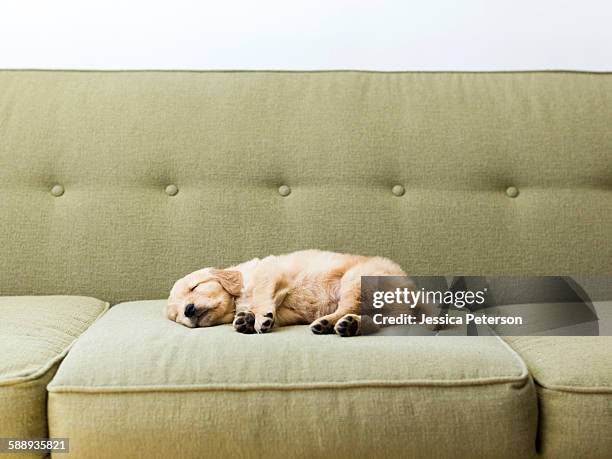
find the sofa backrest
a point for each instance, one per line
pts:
(114, 184)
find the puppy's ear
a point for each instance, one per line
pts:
(230, 280)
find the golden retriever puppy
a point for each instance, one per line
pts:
(313, 287)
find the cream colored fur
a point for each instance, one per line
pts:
(306, 287)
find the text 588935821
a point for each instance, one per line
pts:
(40, 445)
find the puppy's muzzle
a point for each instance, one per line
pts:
(190, 310)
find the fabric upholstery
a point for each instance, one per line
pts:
(35, 334)
(115, 184)
(341, 141)
(574, 380)
(286, 394)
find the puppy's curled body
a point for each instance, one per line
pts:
(306, 287)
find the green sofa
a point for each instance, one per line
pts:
(115, 184)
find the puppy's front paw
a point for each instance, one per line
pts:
(322, 326)
(264, 324)
(244, 322)
(349, 325)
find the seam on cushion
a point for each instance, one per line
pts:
(518, 381)
(51, 363)
(289, 387)
(518, 358)
(561, 387)
(595, 390)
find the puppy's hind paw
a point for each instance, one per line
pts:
(349, 325)
(322, 326)
(244, 322)
(263, 324)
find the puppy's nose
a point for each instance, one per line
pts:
(190, 310)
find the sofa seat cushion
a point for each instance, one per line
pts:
(573, 376)
(35, 334)
(288, 393)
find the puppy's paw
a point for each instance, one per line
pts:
(322, 326)
(349, 325)
(244, 322)
(264, 324)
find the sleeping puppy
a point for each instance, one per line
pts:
(313, 287)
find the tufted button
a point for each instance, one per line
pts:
(512, 192)
(284, 190)
(57, 190)
(398, 190)
(171, 190)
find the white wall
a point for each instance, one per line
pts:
(315, 34)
